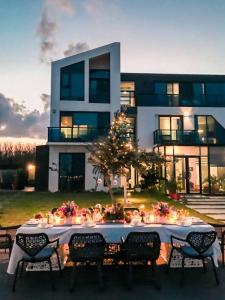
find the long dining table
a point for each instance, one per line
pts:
(112, 234)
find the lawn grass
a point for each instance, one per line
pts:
(17, 207)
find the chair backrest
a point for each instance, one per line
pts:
(32, 244)
(201, 241)
(142, 245)
(87, 246)
(11, 230)
(220, 230)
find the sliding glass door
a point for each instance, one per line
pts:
(187, 174)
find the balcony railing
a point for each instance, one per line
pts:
(187, 137)
(78, 133)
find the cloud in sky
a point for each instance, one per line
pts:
(46, 30)
(16, 121)
(63, 6)
(94, 8)
(76, 48)
(45, 98)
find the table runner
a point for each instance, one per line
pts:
(112, 233)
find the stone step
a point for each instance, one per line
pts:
(211, 211)
(206, 203)
(206, 200)
(205, 197)
(219, 217)
(196, 207)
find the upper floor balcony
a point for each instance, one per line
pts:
(76, 134)
(188, 137)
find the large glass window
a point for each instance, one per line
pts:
(215, 88)
(72, 82)
(170, 127)
(217, 169)
(198, 89)
(160, 88)
(99, 86)
(71, 171)
(66, 126)
(99, 81)
(205, 174)
(209, 131)
(127, 93)
(173, 88)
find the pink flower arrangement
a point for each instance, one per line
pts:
(162, 209)
(68, 209)
(114, 212)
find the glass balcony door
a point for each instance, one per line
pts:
(187, 174)
(170, 127)
(71, 172)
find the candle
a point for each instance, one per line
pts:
(77, 220)
(151, 218)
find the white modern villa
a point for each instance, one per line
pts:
(181, 116)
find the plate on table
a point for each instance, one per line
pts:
(32, 222)
(88, 225)
(137, 224)
(45, 226)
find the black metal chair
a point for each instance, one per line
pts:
(197, 245)
(37, 248)
(7, 236)
(87, 248)
(141, 247)
(220, 230)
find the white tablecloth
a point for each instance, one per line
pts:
(112, 233)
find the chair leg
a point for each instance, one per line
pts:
(157, 285)
(182, 271)
(10, 251)
(215, 272)
(58, 260)
(204, 266)
(72, 281)
(130, 275)
(222, 255)
(100, 279)
(51, 274)
(21, 269)
(170, 259)
(15, 276)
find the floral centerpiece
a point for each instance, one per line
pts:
(113, 213)
(67, 210)
(162, 210)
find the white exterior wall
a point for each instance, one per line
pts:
(113, 106)
(58, 105)
(147, 120)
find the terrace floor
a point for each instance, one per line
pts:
(198, 285)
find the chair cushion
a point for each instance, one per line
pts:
(44, 254)
(191, 252)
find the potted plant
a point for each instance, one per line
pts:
(171, 189)
(137, 188)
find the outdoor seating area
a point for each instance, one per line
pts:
(70, 243)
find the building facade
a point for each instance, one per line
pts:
(180, 116)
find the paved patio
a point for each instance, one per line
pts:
(198, 285)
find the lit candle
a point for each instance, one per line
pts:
(151, 218)
(77, 220)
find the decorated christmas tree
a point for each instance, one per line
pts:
(113, 155)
